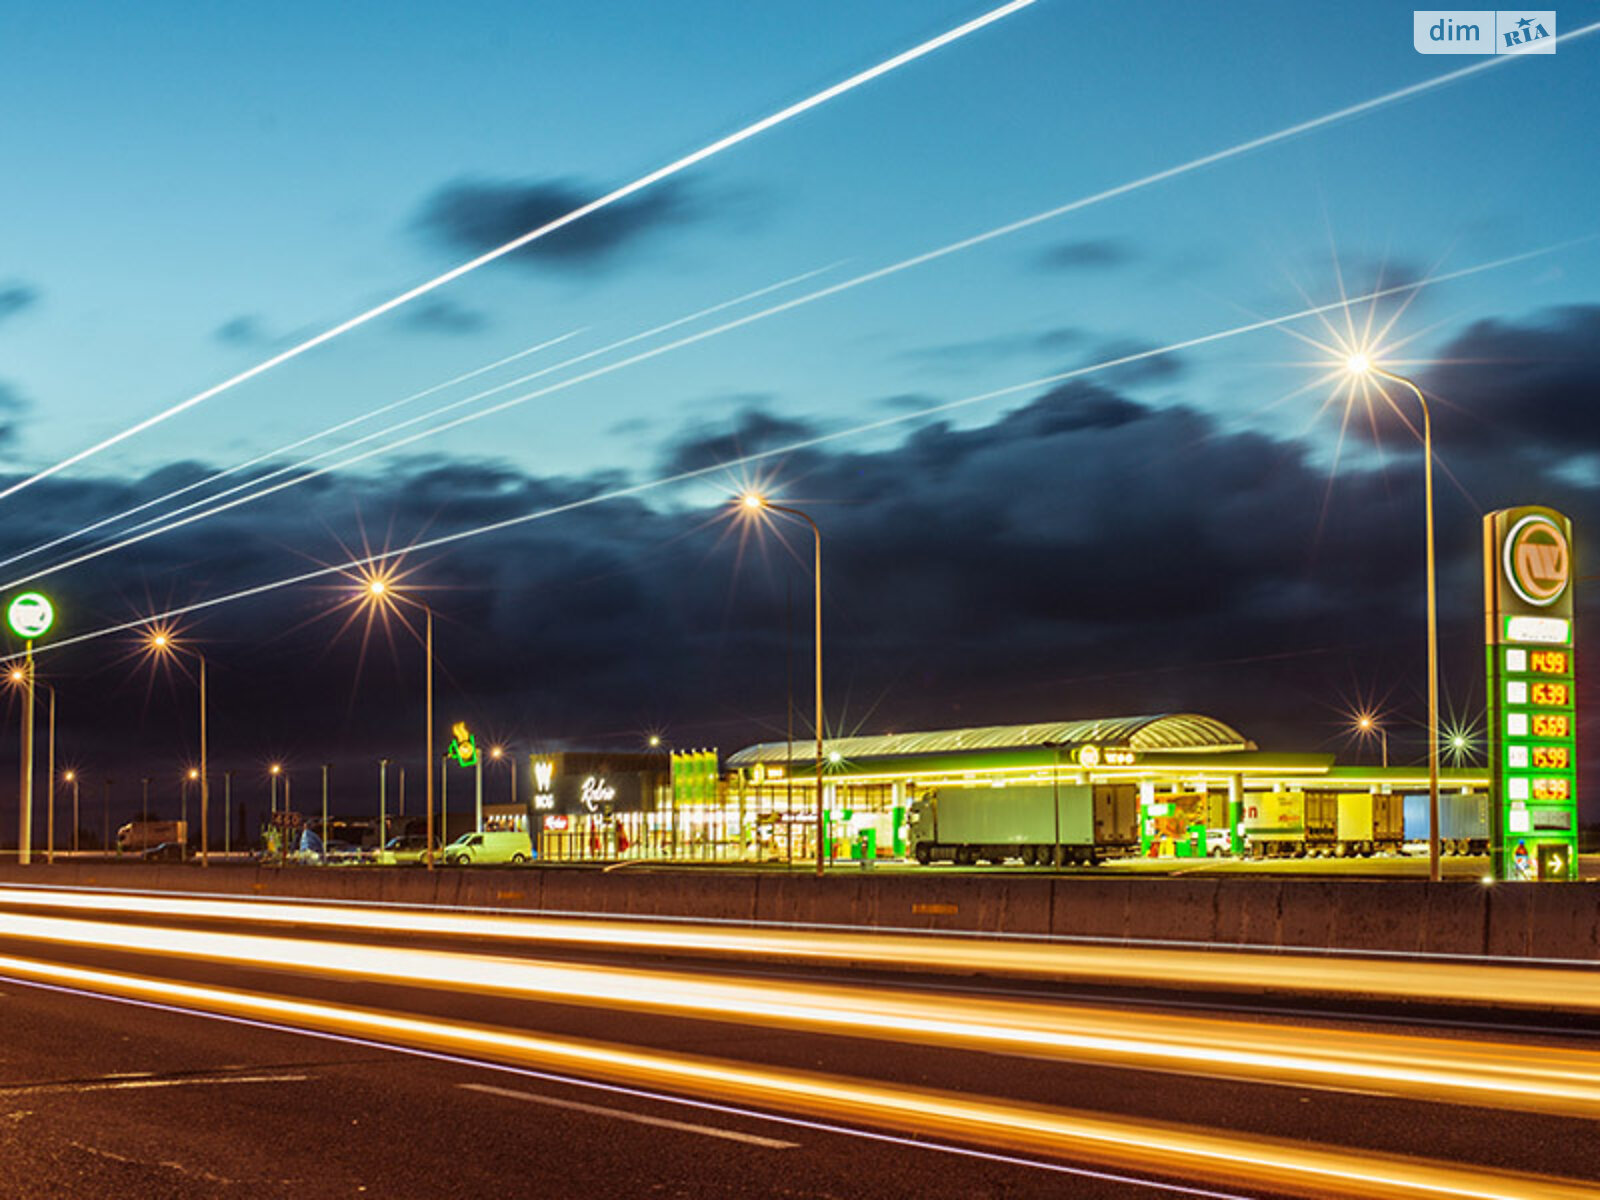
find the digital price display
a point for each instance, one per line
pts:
(1557, 788)
(1532, 693)
(1552, 758)
(1551, 725)
(1550, 662)
(1550, 695)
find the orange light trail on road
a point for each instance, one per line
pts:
(1157, 1148)
(1573, 989)
(1499, 1075)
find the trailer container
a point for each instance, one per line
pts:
(966, 824)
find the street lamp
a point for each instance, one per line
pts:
(72, 778)
(1360, 365)
(1367, 725)
(162, 643)
(753, 504)
(380, 595)
(498, 754)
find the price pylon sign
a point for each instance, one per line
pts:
(1531, 647)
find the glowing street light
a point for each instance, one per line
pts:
(1367, 725)
(754, 504)
(162, 643)
(1360, 366)
(379, 595)
(71, 776)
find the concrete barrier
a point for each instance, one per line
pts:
(1406, 916)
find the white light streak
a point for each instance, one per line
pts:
(760, 456)
(1241, 148)
(263, 486)
(271, 454)
(638, 185)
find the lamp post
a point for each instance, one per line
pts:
(162, 643)
(754, 502)
(1367, 724)
(379, 594)
(383, 802)
(50, 774)
(30, 615)
(105, 816)
(190, 776)
(1362, 365)
(227, 813)
(72, 778)
(324, 830)
(23, 677)
(427, 612)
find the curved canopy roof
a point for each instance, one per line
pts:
(1185, 732)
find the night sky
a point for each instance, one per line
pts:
(1207, 530)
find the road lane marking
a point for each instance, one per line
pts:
(119, 1085)
(622, 1114)
(1194, 1154)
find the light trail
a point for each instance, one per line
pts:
(1001, 231)
(1185, 1152)
(745, 460)
(387, 408)
(1459, 1071)
(1241, 148)
(271, 454)
(660, 174)
(261, 487)
(638, 1093)
(1564, 985)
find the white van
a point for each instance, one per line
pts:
(489, 846)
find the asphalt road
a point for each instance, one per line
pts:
(101, 1097)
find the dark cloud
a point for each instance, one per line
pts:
(977, 352)
(471, 216)
(1087, 254)
(12, 407)
(1081, 554)
(245, 331)
(1157, 368)
(1507, 387)
(15, 297)
(752, 430)
(435, 314)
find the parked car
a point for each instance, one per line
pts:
(489, 846)
(406, 849)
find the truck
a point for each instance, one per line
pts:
(1463, 821)
(1299, 824)
(142, 835)
(965, 824)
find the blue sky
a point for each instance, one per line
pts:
(201, 166)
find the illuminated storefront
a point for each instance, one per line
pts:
(1181, 785)
(589, 806)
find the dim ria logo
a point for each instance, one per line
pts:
(1485, 31)
(1537, 560)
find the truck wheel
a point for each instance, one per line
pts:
(923, 854)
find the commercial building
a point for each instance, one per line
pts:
(1193, 775)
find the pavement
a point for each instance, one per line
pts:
(103, 1097)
